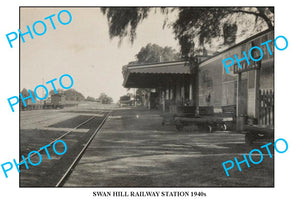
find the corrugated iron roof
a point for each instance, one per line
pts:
(181, 67)
(155, 74)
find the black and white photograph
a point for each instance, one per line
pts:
(152, 103)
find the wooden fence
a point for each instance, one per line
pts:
(266, 108)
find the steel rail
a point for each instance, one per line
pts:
(66, 174)
(60, 137)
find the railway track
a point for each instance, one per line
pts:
(54, 172)
(62, 136)
(69, 170)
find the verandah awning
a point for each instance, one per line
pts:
(154, 75)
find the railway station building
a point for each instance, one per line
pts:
(171, 83)
(249, 90)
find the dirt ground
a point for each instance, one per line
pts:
(40, 127)
(134, 150)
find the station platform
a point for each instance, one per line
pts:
(133, 149)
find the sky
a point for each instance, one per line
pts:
(83, 49)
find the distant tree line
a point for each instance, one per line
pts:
(103, 99)
(70, 94)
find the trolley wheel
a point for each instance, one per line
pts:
(205, 128)
(179, 127)
(201, 127)
(224, 127)
(249, 138)
(209, 128)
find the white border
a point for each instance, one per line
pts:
(284, 197)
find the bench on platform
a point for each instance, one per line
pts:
(208, 120)
(177, 111)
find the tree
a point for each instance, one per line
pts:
(73, 95)
(194, 28)
(152, 53)
(120, 19)
(58, 91)
(70, 94)
(90, 98)
(104, 99)
(25, 92)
